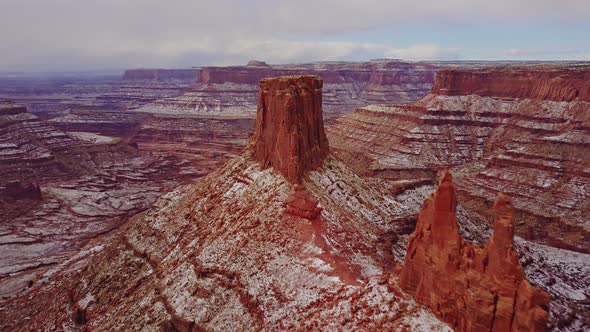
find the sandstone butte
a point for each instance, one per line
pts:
(289, 132)
(472, 288)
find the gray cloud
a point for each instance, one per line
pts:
(80, 34)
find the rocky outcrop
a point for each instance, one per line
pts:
(472, 288)
(557, 84)
(154, 74)
(289, 134)
(257, 63)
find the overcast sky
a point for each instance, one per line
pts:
(111, 34)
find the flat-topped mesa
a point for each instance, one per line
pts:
(472, 288)
(540, 83)
(289, 133)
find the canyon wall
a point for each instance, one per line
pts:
(533, 149)
(472, 288)
(233, 90)
(536, 151)
(555, 84)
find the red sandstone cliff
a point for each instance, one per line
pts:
(558, 84)
(289, 134)
(472, 288)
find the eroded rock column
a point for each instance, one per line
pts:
(289, 134)
(472, 288)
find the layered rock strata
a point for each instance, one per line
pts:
(555, 84)
(289, 133)
(535, 150)
(472, 288)
(59, 190)
(232, 91)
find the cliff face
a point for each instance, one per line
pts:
(533, 149)
(289, 134)
(472, 288)
(521, 83)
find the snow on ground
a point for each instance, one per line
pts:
(92, 138)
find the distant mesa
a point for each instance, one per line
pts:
(289, 133)
(257, 63)
(472, 288)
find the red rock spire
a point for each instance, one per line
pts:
(289, 134)
(472, 288)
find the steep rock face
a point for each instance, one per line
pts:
(472, 288)
(289, 134)
(522, 83)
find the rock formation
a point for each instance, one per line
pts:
(511, 136)
(257, 63)
(91, 184)
(232, 91)
(289, 134)
(472, 288)
(243, 248)
(557, 84)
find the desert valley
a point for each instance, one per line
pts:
(381, 195)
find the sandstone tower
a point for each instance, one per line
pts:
(289, 134)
